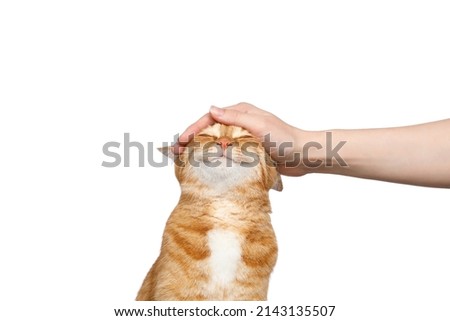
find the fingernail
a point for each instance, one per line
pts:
(216, 111)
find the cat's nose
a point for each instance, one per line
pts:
(224, 142)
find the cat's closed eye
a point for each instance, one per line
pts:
(206, 135)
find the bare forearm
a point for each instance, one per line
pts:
(418, 155)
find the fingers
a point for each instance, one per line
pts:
(232, 116)
(193, 129)
(247, 108)
(242, 114)
(207, 120)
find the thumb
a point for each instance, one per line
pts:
(232, 117)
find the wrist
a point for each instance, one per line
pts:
(309, 147)
(321, 151)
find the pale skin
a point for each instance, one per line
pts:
(416, 155)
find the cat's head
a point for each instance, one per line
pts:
(223, 157)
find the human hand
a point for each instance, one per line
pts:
(366, 153)
(279, 138)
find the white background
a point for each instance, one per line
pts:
(78, 238)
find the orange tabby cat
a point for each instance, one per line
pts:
(218, 243)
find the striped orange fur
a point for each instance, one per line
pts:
(218, 243)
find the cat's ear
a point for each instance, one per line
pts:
(273, 178)
(277, 183)
(167, 151)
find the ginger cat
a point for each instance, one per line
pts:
(218, 243)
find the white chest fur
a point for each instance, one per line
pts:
(225, 248)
